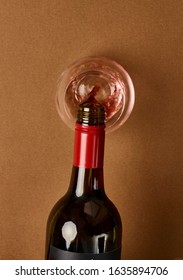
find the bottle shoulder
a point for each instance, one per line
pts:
(88, 204)
(87, 208)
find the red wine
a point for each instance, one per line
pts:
(85, 224)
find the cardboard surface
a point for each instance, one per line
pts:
(143, 159)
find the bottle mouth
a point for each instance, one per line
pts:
(91, 112)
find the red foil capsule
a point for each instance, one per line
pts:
(89, 146)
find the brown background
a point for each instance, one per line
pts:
(143, 159)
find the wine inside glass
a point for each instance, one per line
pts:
(104, 78)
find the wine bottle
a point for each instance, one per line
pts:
(85, 224)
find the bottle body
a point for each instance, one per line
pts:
(86, 226)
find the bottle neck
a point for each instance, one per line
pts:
(87, 173)
(86, 181)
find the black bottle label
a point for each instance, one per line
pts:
(58, 254)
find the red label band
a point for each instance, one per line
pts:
(89, 146)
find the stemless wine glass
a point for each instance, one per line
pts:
(115, 90)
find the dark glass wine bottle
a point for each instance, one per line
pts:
(85, 224)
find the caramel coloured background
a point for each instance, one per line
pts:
(143, 159)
